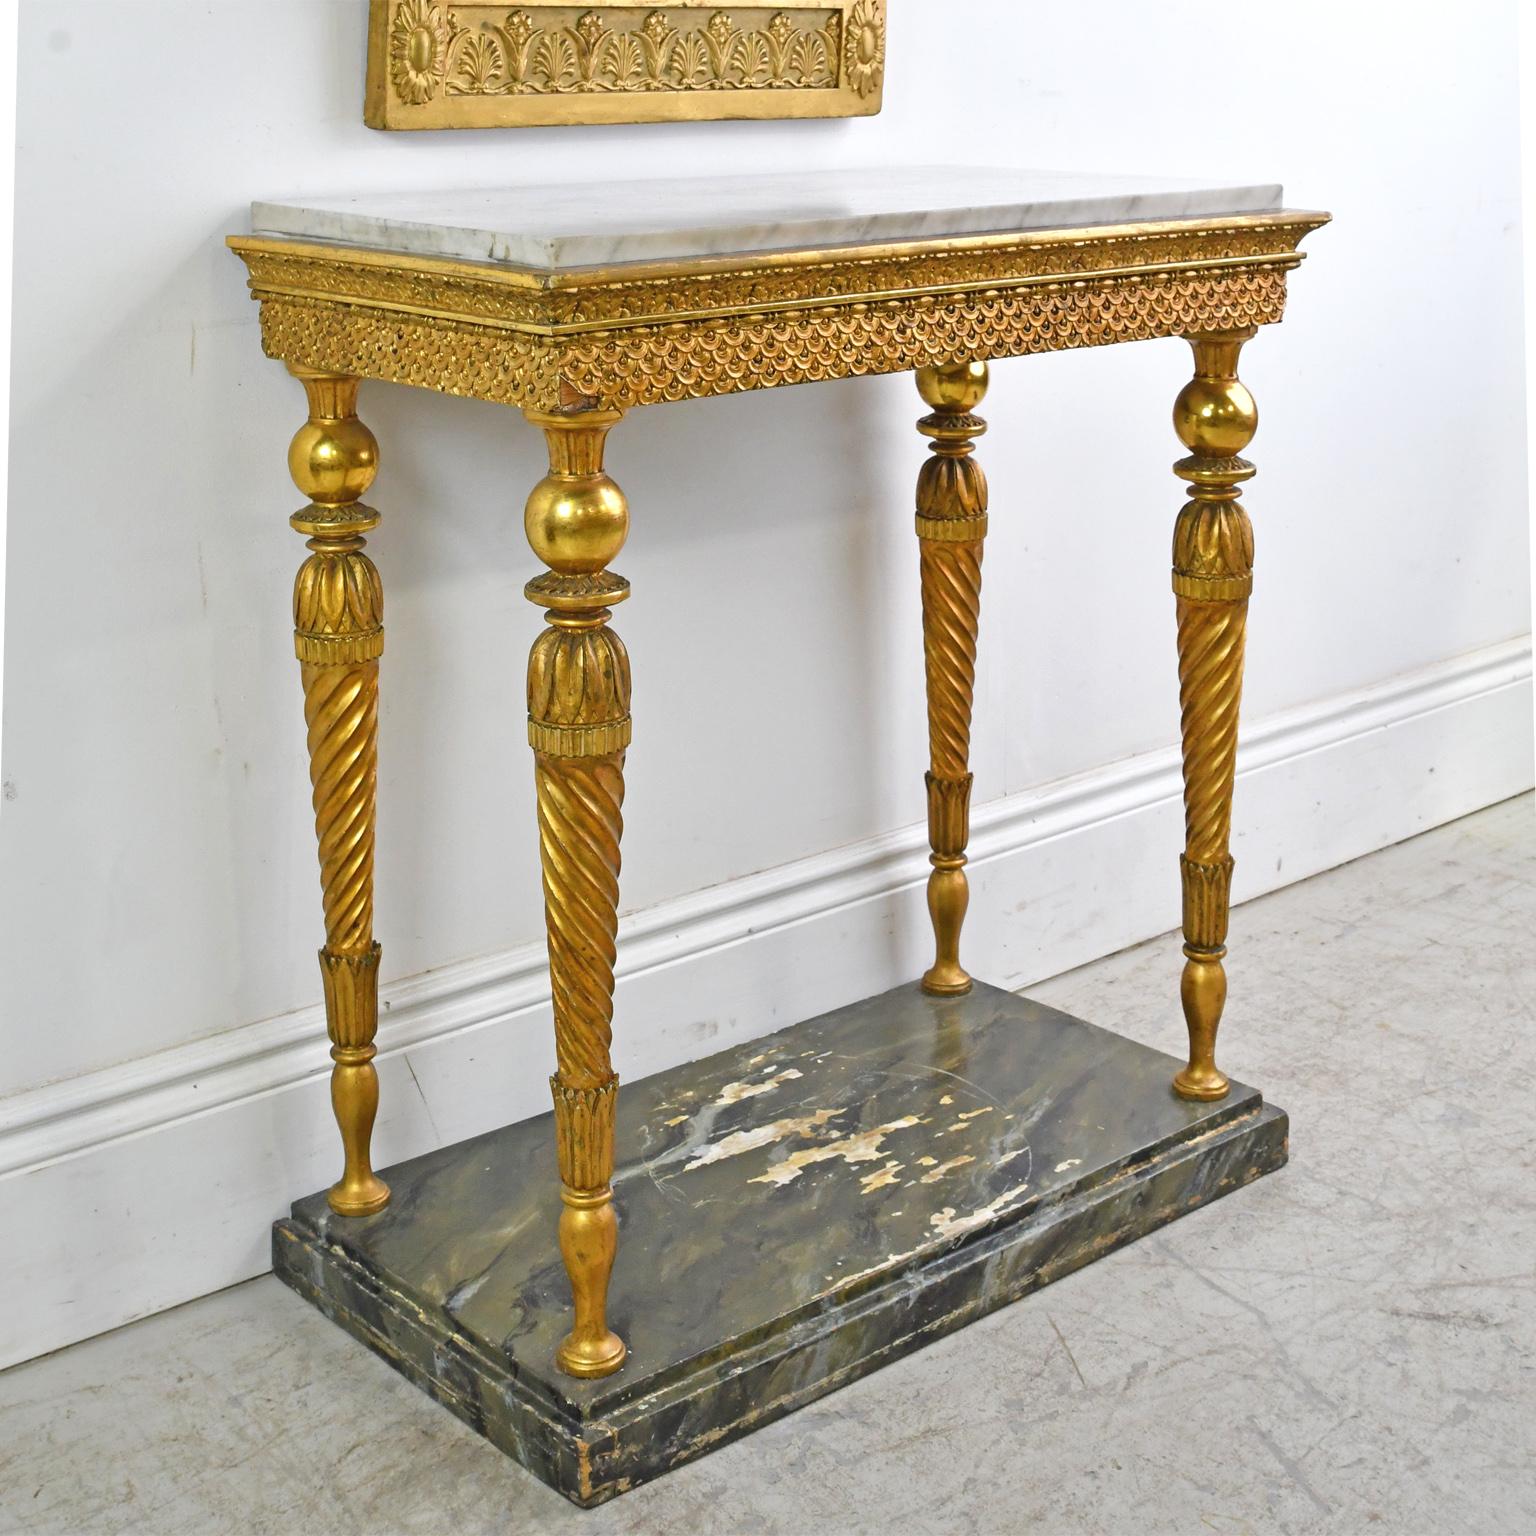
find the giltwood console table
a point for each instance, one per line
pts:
(802, 1209)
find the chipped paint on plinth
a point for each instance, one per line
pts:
(881, 1177)
(860, 1147)
(734, 1093)
(1071, 1162)
(947, 1224)
(963, 1122)
(935, 1174)
(760, 1136)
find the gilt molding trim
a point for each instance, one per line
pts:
(495, 64)
(643, 333)
(542, 303)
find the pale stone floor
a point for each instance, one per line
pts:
(1347, 1346)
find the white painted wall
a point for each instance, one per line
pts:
(158, 894)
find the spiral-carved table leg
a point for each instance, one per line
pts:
(578, 727)
(1215, 418)
(951, 524)
(338, 635)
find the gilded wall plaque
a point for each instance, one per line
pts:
(501, 65)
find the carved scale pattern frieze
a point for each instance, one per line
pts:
(646, 365)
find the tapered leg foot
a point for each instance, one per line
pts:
(949, 894)
(589, 1239)
(355, 1099)
(1203, 992)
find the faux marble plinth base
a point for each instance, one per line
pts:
(794, 1214)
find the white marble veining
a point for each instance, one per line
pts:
(554, 228)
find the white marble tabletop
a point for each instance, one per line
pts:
(554, 228)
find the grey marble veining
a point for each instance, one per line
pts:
(553, 228)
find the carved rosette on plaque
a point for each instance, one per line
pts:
(476, 65)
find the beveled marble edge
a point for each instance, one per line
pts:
(553, 229)
(339, 253)
(645, 333)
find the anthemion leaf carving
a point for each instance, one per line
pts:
(429, 60)
(665, 50)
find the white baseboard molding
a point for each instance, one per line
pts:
(132, 1189)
